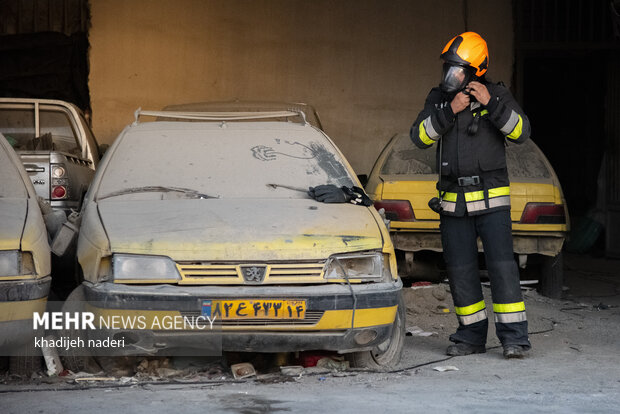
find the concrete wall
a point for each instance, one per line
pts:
(366, 65)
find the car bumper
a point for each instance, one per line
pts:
(19, 299)
(334, 325)
(545, 243)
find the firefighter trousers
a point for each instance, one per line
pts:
(460, 250)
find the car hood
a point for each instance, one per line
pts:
(238, 229)
(13, 213)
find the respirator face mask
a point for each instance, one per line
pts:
(455, 78)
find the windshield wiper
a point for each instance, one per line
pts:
(288, 187)
(157, 189)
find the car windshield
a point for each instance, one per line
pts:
(11, 184)
(213, 160)
(523, 160)
(526, 161)
(406, 158)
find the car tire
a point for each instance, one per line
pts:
(27, 361)
(551, 276)
(72, 360)
(387, 355)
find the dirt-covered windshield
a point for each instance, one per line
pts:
(233, 160)
(523, 160)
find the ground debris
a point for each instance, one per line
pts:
(417, 331)
(243, 370)
(94, 379)
(446, 368)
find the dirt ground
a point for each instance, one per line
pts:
(573, 367)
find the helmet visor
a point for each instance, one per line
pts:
(454, 77)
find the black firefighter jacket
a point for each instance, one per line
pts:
(474, 178)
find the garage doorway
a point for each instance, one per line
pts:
(566, 79)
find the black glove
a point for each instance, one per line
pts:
(331, 194)
(357, 196)
(328, 194)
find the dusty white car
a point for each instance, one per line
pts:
(209, 216)
(24, 262)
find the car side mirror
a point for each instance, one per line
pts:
(363, 179)
(67, 234)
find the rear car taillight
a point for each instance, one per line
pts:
(59, 182)
(396, 210)
(59, 192)
(58, 171)
(543, 213)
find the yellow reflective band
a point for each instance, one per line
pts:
(468, 310)
(499, 191)
(493, 192)
(449, 197)
(517, 131)
(483, 113)
(508, 307)
(424, 136)
(474, 196)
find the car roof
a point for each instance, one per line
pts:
(5, 100)
(309, 111)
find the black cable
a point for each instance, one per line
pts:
(394, 371)
(450, 357)
(346, 277)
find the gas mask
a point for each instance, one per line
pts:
(455, 78)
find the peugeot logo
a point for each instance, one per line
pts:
(253, 274)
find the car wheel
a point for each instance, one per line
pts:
(27, 360)
(386, 355)
(551, 276)
(72, 360)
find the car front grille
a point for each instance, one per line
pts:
(237, 274)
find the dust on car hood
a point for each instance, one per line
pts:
(13, 213)
(238, 229)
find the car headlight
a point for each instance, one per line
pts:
(144, 269)
(10, 263)
(366, 266)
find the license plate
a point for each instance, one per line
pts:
(254, 309)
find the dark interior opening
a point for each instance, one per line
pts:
(564, 97)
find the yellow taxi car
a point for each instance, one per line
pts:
(24, 262)
(206, 215)
(403, 180)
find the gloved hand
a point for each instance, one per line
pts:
(328, 193)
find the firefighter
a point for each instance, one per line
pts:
(472, 119)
